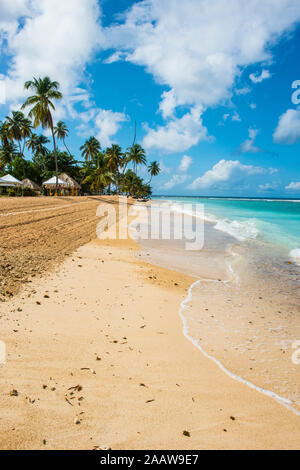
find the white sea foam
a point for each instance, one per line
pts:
(245, 230)
(241, 230)
(295, 255)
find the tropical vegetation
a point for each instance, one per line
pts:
(99, 171)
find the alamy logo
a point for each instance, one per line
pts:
(296, 94)
(157, 221)
(296, 354)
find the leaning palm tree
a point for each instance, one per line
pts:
(19, 129)
(45, 91)
(153, 170)
(90, 149)
(137, 155)
(61, 131)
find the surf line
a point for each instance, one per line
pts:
(183, 307)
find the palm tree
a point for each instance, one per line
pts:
(61, 131)
(137, 155)
(90, 149)
(114, 161)
(40, 147)
(100, 176)
(37, 144)
(45, 91)
(153, 169)
(4, 133)
(18, 128)
(7, 155)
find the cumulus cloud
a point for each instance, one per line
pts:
(168, 103)
(174, 181)
(102, 122)
(249, 145)
(242, 91)
(185, 163)
(288, 128)
(217, 39)
(235, 117)
(267, 187)
(226, 172)
(258, 78)
(200, 65)
(179, 134)
(293, 186)
(56, 39)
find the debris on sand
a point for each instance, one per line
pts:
(77, 388)
(186, 433)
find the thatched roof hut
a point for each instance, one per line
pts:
(71, 183)
(27, 183)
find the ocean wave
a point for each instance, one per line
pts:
(241, 230)
(295, 255)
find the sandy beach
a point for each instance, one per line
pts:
(96, 358)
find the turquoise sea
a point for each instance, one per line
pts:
(276, 221)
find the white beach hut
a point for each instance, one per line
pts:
(9, 181)
(51, 184)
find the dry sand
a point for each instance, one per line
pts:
(98, 342)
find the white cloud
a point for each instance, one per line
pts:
(288, 128)
(185, 163)
(226, 172)
(267, 187)
(175, 180)
(179, 134)
(293, 186)
(236, 117)
(258, 78)
(249, 145)
(108, 124)
(198, 48)
(57, 38)
(115, 57)
(253, 105)
(242, 91)
(101, 122)
(164, 169)
(168, 103)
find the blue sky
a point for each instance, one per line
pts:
(208, 82)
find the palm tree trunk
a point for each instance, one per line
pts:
(66, 147)
(23, 164)
(55, 153)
